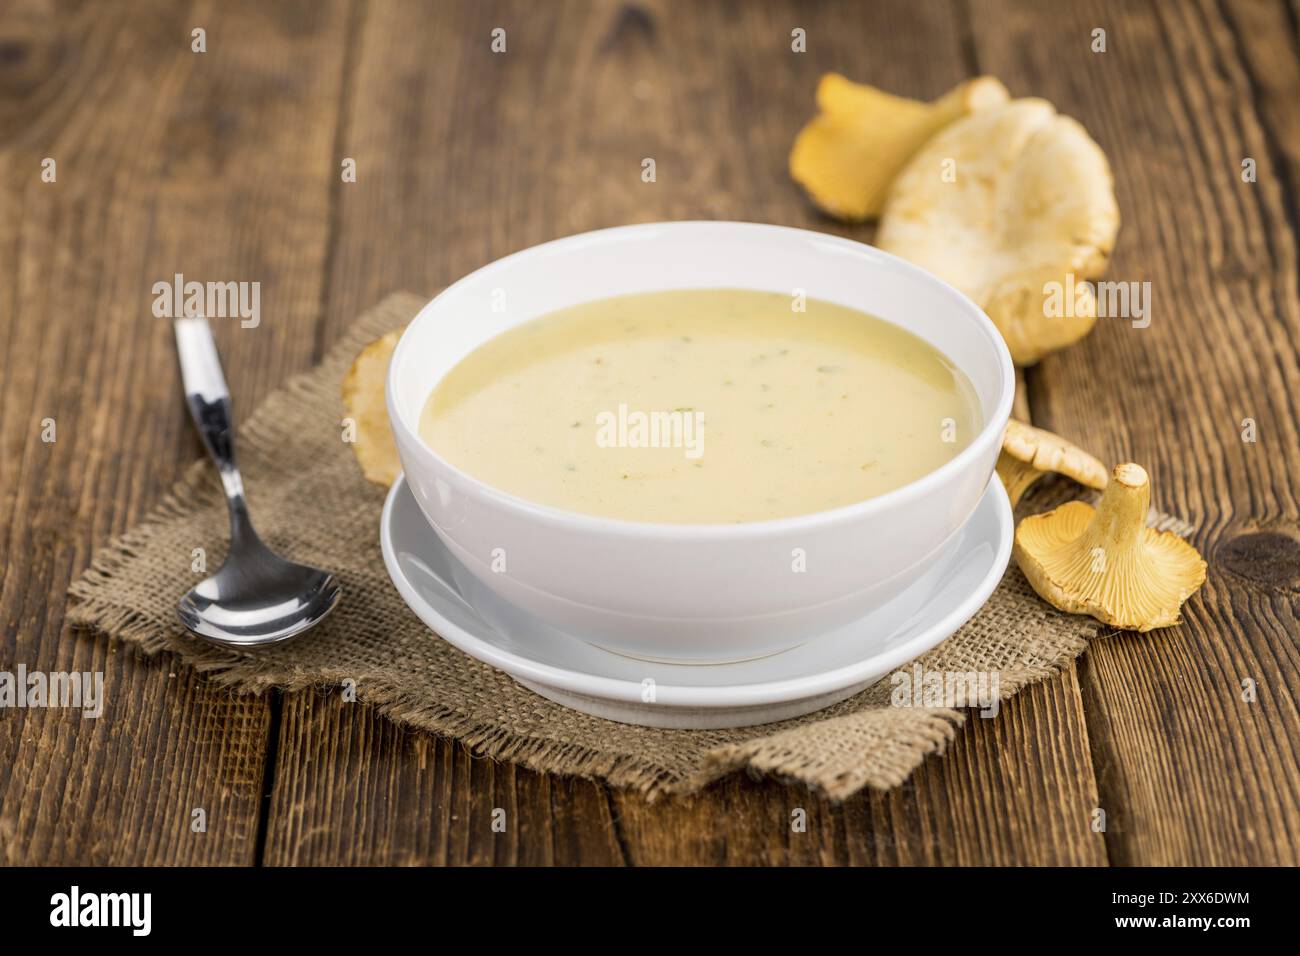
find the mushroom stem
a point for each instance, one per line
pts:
(1016, 476)
(1122, 512)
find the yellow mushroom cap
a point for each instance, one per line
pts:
(1028, 453)
(1015, 206)
(848, 154)
(1106, 562)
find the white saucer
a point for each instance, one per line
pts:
(569, 671)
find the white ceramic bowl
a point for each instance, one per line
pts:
(720, 592)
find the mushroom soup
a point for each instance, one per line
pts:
(701, 406)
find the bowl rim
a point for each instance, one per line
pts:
(991, 431)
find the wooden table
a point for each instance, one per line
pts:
(227, 165)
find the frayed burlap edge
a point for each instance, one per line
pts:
(909, 746)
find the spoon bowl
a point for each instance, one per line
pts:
(260, 598)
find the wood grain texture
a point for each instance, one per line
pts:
(226, 165)
(162, 168)
(1188, 771)
(485, 154)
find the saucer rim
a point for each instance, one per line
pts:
(696, 696)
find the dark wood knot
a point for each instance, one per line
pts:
(1266, 558)
(633, 23)
(13, 52)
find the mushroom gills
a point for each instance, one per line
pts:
(1106, 562)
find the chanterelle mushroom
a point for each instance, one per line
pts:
(1015, 206)
(1106, 562)
(849, 153)
(1028, 453)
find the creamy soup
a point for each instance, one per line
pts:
(701, 406)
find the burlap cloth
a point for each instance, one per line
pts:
(310, 501)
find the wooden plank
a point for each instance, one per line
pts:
(1267, 38)
(352, 788)
(1189, 772)
(463, 156)
(215, 165)
(1011, 790)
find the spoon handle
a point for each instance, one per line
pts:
(208, 398)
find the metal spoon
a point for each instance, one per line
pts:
(257, 597)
